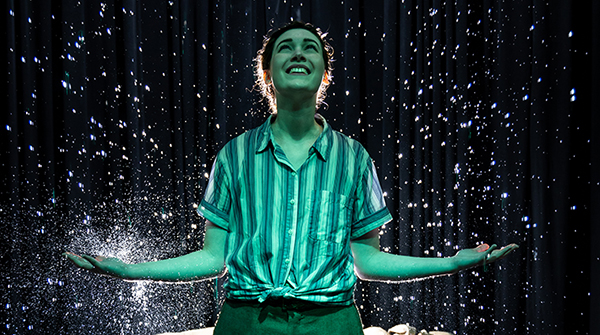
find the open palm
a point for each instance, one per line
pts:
(482, 254)
(113, 267)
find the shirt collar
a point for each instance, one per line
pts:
(322, 145)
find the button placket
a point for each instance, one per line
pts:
(294, 223)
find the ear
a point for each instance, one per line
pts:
(267, 77)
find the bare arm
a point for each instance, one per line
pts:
(372, 264)
(202, 264)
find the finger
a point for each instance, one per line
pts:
(92, 260)
(500, 254)
(72, 256)
(80, 262)
(488, 255)
(506, 250)
(511, 246)
(487, 249)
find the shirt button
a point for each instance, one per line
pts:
(287, 261)
(290, 232)
(294, 174)
(292, 201)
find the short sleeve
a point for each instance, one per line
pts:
(216, 204)
(369, 210)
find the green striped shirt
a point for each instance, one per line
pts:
(289, 230)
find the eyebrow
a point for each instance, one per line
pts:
(290, 40)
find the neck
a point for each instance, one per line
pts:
(296, 122)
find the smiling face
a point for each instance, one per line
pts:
(297, 66)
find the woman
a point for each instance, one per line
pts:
(293, 209)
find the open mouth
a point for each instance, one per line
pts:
(298, 69)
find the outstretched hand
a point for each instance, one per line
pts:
(112, 267)
(481, 255)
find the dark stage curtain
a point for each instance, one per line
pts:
(481, 117)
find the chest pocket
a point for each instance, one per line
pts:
(330, 216)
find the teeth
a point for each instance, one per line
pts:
(298, 70)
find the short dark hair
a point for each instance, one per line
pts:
(263, 60)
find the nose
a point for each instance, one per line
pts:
(298, 55)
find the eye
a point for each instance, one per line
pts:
(311, 47)
(284, 47)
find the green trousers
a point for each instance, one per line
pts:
(286, 317)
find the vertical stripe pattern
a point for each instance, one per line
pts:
(289, 230)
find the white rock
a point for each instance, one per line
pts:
(374, 331)
(203, 331)
(402, 330)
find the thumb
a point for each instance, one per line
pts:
(482, 247)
